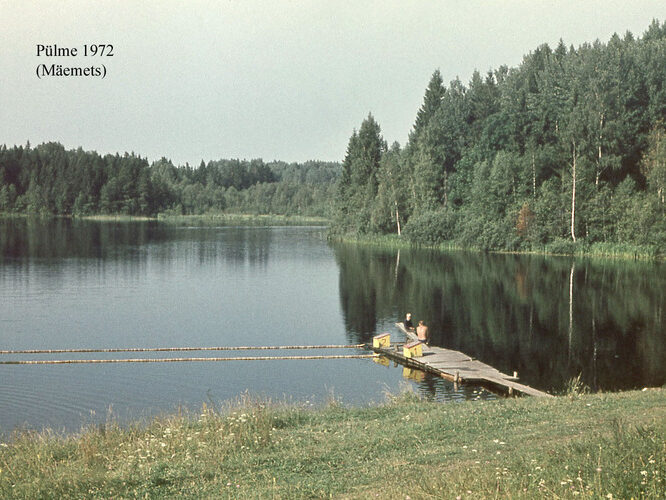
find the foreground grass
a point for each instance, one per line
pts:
(596, 445)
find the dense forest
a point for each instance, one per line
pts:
(565, 150)
(48, 179)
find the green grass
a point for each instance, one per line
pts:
(115, 218)
(242, 220)
(560, 247)
(571, 446)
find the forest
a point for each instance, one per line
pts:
(566, 150)
(50, 180)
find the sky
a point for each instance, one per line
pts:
(274, 79)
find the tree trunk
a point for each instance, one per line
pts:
(397, 216)
(533, 178)
(446, 193)
(573, 193)
(598, 176)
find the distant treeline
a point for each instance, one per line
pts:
(48, 179)
(568, 148)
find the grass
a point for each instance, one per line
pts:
(221, 219)
(242, 220)
(559, 248)
(602, 445)
(115, 218)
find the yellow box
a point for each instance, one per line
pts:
(413, 350)
(383, 340)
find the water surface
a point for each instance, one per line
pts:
(80, 284)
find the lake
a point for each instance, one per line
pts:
(72, 284)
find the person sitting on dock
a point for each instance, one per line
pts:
(408, 322)
(423, 333)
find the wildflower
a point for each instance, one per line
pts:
(465, 447)
(643, 473)
(598, 469)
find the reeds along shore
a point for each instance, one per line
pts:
(602, 445)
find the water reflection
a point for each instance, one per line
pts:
(548, 318)
(59, 242)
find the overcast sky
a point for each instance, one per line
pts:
(272, 79)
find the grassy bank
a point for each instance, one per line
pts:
(194, 220)
(558, 248)
(594, 445)
(242, 220)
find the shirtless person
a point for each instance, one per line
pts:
(423, 333)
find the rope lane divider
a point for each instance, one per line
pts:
(175, 349)
(175, 360)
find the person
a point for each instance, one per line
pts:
(408, 322)
(423, 332)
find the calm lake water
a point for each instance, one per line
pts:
(82, 284)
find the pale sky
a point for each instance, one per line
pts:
(273, 79)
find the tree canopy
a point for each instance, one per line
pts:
(48, 179)
(566, 147)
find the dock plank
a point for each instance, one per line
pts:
(457, 366)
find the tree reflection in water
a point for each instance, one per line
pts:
(549, 318)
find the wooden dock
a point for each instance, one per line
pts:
(457, 367)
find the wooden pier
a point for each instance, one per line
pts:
(456, 367)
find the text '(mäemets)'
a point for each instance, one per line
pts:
(54, 69)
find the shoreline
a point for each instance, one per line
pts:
(625, 252)
(582, 250)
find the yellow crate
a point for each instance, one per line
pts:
(383, 340)
(413, 350)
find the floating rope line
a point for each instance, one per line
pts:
(174, 349)
(175, 360)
